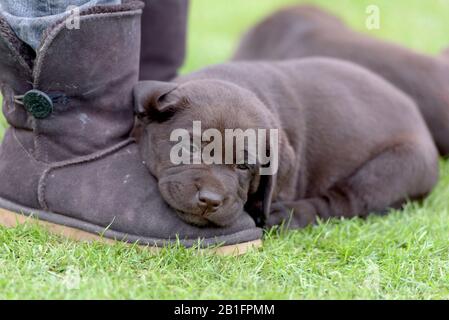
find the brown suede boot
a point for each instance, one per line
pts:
(67, 158)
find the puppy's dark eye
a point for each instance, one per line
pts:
(244, 166)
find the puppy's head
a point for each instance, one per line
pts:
(203, 192)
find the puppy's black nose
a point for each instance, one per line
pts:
(210, 201)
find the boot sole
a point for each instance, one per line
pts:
(11, 219)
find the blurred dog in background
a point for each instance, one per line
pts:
(305, 31)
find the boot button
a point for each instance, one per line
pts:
(38, 103)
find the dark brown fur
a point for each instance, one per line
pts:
(305, 31)
(350, 143)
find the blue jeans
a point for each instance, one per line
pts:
(30, 18)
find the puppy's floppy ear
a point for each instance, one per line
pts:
(259, 203)
(261, 192)
(151, 97)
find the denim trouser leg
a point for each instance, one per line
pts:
(164, 28)
(29, 19)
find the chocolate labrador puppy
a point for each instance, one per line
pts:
(304, 31)
(349, 143)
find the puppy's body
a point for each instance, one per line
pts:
(305, 31)
(350, 143)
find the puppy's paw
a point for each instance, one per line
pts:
(291, 215)
(279, 215)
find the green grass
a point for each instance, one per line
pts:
(404, 255)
